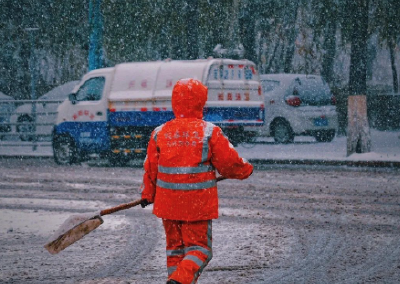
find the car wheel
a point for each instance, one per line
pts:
(325, 135)
(24, 128)
(64, 150)
(283, 133)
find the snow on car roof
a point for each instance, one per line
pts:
(60, 92)
(5, 97)
(285, 78)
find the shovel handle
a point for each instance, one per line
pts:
(120, 207)
(132, 204)
(220, 178)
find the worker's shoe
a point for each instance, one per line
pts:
(172, 281)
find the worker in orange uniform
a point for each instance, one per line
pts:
(180, 179)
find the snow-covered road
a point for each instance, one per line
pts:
(283, 225)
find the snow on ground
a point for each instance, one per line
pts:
(283, 225)
(385, 147)
(40, 222)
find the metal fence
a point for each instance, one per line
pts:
(27, 122)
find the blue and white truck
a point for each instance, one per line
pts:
(112, 111)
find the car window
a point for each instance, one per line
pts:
(91, 90)
(269, 85)
(293, 89)
(314, 92)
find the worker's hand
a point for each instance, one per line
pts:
(144, 203)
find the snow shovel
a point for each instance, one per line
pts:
(77, 226)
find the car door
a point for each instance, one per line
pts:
(90, 116)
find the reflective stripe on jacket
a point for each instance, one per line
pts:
(180, 169)
(182, 157)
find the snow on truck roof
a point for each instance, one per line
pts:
(157, 78)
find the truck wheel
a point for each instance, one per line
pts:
(235, 136)
(325, 135)
(117, 160)
(250, 141)
(235, 142)
(64, 149)
(283, 133)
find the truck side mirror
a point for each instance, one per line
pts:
(72, 98)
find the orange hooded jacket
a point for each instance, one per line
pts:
(182, 156)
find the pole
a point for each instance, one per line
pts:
(95, 59)
(32, 69)
(32, 61)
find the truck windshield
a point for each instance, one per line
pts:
(91, 90)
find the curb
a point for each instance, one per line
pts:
(264, 162)
(373, 164)
(22, 157)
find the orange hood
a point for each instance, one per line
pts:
(188, 98)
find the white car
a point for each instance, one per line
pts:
(298, 104)
(22, 119)
(6, 108)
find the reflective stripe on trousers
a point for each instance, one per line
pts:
(193, 242)
(195, 259)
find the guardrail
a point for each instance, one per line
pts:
(27, 122)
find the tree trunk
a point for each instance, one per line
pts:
(268, 69)
(393, 64)
(291, 25)
(330, 48)
(247, 31)
(372, 52)
(358, 135)
(192, 29)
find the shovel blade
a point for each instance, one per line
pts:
(71, 236)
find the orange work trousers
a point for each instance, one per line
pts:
(188, 249)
